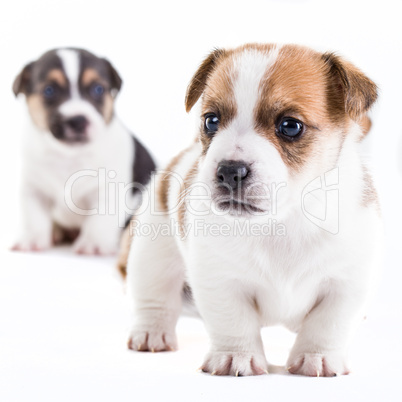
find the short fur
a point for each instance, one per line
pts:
(70, 97)
(312, 279)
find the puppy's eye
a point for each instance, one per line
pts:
(211, 123)
(290, 128)
(97, 90)
(49, 91)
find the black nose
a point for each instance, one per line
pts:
(77, 123)
(231, 173)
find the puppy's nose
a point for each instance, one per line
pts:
(232, 173)
(77, 123)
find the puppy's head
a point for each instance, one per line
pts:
(70, 93)
(273, 118)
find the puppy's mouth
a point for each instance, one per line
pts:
(237, 207)
(73, 138)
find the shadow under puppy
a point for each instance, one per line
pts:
(273, 120)
(75, 150)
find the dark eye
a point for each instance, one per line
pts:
(211, 123)
(290, 127)
(49, 91)
(97, 90)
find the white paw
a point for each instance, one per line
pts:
(152, 340)
(94, 245)
(235, 363)
(32, 243)
(318, 365)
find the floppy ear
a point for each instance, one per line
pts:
(357, 91)
(115, 78)
(198, 82)
(22, 82)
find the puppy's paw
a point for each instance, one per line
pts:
(93, 245)
(32, 243)
(152, 340)
(235, 363)
(318, 365)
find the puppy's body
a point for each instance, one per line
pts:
(308, 276)
(76, 151)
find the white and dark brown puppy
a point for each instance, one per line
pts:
(73, 131)
(274, 120)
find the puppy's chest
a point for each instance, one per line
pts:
(58, 176)
(284, 277)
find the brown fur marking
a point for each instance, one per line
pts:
(295, 86)
(125, 243)
(219, 98)
(57, 75)
(369, 195)
(349, 87)
(199, 80)
(365, 124)
(164, 180)
(37, 111)
(188, 181)
(89, 76)
(108, 109)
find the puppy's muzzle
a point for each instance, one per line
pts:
(72, 129)
(77, 123)
(232, 174)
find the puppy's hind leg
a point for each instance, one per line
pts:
(155, 277)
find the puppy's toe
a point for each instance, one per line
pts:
(318, 365)
(89, 246)
(32, 244)
(152, 341)
(235, 363)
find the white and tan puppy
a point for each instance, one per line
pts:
(277, 218)
(75, 150)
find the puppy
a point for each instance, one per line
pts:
(75, 151)
(277, 146)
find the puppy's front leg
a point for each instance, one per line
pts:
(36, 224)
(233, 324)
(155, 278)
(321, 345)
(99, 234)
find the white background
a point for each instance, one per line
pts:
(63, 319)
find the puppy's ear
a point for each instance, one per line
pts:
(115, 79)
(351, 86)
(22, 82)
(198, 82)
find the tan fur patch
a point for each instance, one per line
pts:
(89, 76)
(295, 87)
(163, 185)
(199, 80)
(219, 97)
(216, 88)
(57, 76)
(37, 111)
(370, 195)
(187, 182)
(125, 243)
(365, 124)
(108, 108)
(349, 90)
